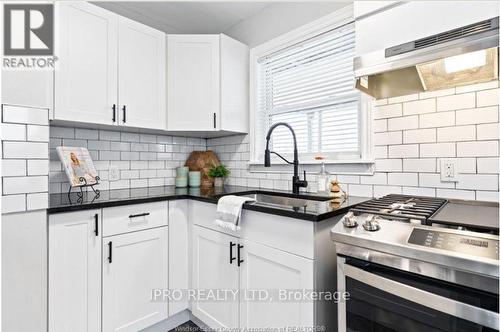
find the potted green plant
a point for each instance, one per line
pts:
(218, 173)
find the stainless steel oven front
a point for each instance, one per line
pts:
(408, 296)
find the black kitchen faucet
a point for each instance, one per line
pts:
(296, 181)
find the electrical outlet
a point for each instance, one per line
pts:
(114, 173)
(449, 170)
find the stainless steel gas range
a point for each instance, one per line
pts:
(406, 272)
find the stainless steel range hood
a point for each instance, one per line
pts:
(457, 57)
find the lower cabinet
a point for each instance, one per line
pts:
(134, 264)
(225, 262)
(214, 268)
(75, 271)
(270, 269)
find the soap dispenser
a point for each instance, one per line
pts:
(323, 178)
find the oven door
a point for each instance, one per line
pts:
(387, 299)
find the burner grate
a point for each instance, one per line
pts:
(402, 206)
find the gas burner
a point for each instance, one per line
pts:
(401, 207)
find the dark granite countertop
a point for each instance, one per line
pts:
(319, 210)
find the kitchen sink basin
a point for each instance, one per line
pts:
(285, 200)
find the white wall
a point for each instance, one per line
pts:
(279, 18)
(411, 135)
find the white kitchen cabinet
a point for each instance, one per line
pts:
(110, 70)
(86, 76)
(75, 271)
(207, 83)
(266, 268)
(212, 270)
(133, 265)
(142, 75)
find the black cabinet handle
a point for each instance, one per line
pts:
(114, 112)
(215, 120)
(139, 215)
(239, 254)
(231, 258)
(124, 108)
(96, 226)
(110, 255)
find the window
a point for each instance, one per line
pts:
(310, 85)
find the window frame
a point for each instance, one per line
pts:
(329, 22)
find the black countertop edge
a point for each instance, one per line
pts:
(60, 203)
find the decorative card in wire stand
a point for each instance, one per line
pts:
(78, 166)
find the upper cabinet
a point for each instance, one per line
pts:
(111, 70)
(86, 78)
(207, 80)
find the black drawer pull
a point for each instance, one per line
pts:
(96, 226)
(124, 108)
(110, 255)
(239, 254)
(114, 112)
(231, 258)
(139, 215)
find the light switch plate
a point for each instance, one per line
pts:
(449, 170)
(114, 173)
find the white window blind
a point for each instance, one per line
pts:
(310, 85)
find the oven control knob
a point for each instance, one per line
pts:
(371, 224)
(349, 220)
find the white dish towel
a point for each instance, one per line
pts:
(229, 211)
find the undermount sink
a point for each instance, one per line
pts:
(285, 200)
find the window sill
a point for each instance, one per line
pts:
(341, 167)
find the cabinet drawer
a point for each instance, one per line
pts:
(130, 218)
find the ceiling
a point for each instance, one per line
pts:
(187, 17)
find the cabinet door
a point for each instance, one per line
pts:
(75, 271)
(142, 75)
(133, 265)
(193, 73)
(212, 270)
(266, 268)
(86, 71)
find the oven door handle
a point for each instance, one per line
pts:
(430, 300)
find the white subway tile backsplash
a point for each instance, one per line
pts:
(380, 152)
(488, 131)
(388, 165)
(360, 190)
(402, 99)
(25, 150)
(437, 93)
(419, 191)
(477, 115)
(477, 87)
(437, 150)
(395, 137)
(433, 180)
(403, 123)
(379, 191)
(457, 133)
(13, 132)
(25, 115)
(403, 179)
(62, 132)
(477, 149)
(376, 178)
(388, 111)
(38, 167)
(37, 133)
(456, 194)
(465, 165)
(456, 102)
(14, 167)
(488, 97)
(423, 165)
(419, 136)
(477, 181)
(488, 165)
(37, 201)
(109, 135)
(441, 119)
(86, 134)
(419, 107)
(379, 125)
(25, 184)
(13, 203)
(489, 196)
(403, 151)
